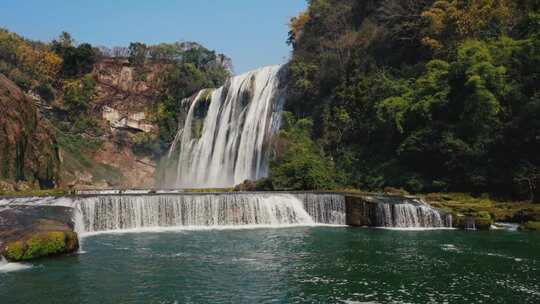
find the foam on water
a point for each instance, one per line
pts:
(6, 267)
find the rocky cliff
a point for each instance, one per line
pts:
(29, 155)
(122, 96)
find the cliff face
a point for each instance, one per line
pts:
(122, 97)
(29, 155)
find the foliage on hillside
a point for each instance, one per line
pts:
(31, 65)
(62, 79)
(421, 94)
(299, 163)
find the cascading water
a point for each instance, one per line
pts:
(410, 214)
(116, 212)
(324, 208)
(225, 135)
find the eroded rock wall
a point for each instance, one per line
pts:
(29, 155)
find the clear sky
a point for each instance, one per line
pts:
(252, 32)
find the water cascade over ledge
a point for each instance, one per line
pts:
(151, 211)
(132, 212)
(223, 139)
(394, 212)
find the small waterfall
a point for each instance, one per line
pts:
(325, 208)
(108, 213)
(410, 214)
(394, 212)
(224, 138)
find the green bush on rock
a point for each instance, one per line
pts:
(41, 244)
(531, 226)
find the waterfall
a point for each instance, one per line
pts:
(128, 212)
(410, 214)
(324, 208)
(223, 140)
(394, 212)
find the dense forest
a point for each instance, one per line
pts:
(423, 95)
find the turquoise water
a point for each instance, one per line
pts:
(294, 265)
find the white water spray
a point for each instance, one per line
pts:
(413, 214)
(224, 138)
(206, 211)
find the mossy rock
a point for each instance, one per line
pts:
(530, 226)
(41, 244)
(483, 223)
(468, 222)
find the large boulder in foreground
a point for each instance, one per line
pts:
(28, 148)
(31, 232)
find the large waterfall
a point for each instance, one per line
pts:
(128, 212)
(223, 140)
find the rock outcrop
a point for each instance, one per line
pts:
(31, 232)
(121, 102)
(29, 153)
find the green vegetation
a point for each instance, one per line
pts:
(531, 226)
(78, 94)
(31, 65)
(299, 164)
(484, 208)
(41, 244)
(194, 70)
(47, 192)
(77, 60)
(78, 152)
(429, 96)
(15, 251)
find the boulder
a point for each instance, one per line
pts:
(41, 242)
(31, 232)
(470, 222)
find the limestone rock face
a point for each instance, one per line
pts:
(28, 148)
(136, 122)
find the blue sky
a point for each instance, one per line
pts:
(251, 32)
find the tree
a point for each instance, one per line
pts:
(78, 95)
(137, 53)
(299, 164)
(65, 40)
(78, 60)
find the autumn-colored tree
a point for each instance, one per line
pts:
(296, 26)
(449, 21)
(50, 65)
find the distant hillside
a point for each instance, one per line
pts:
(112, 112)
